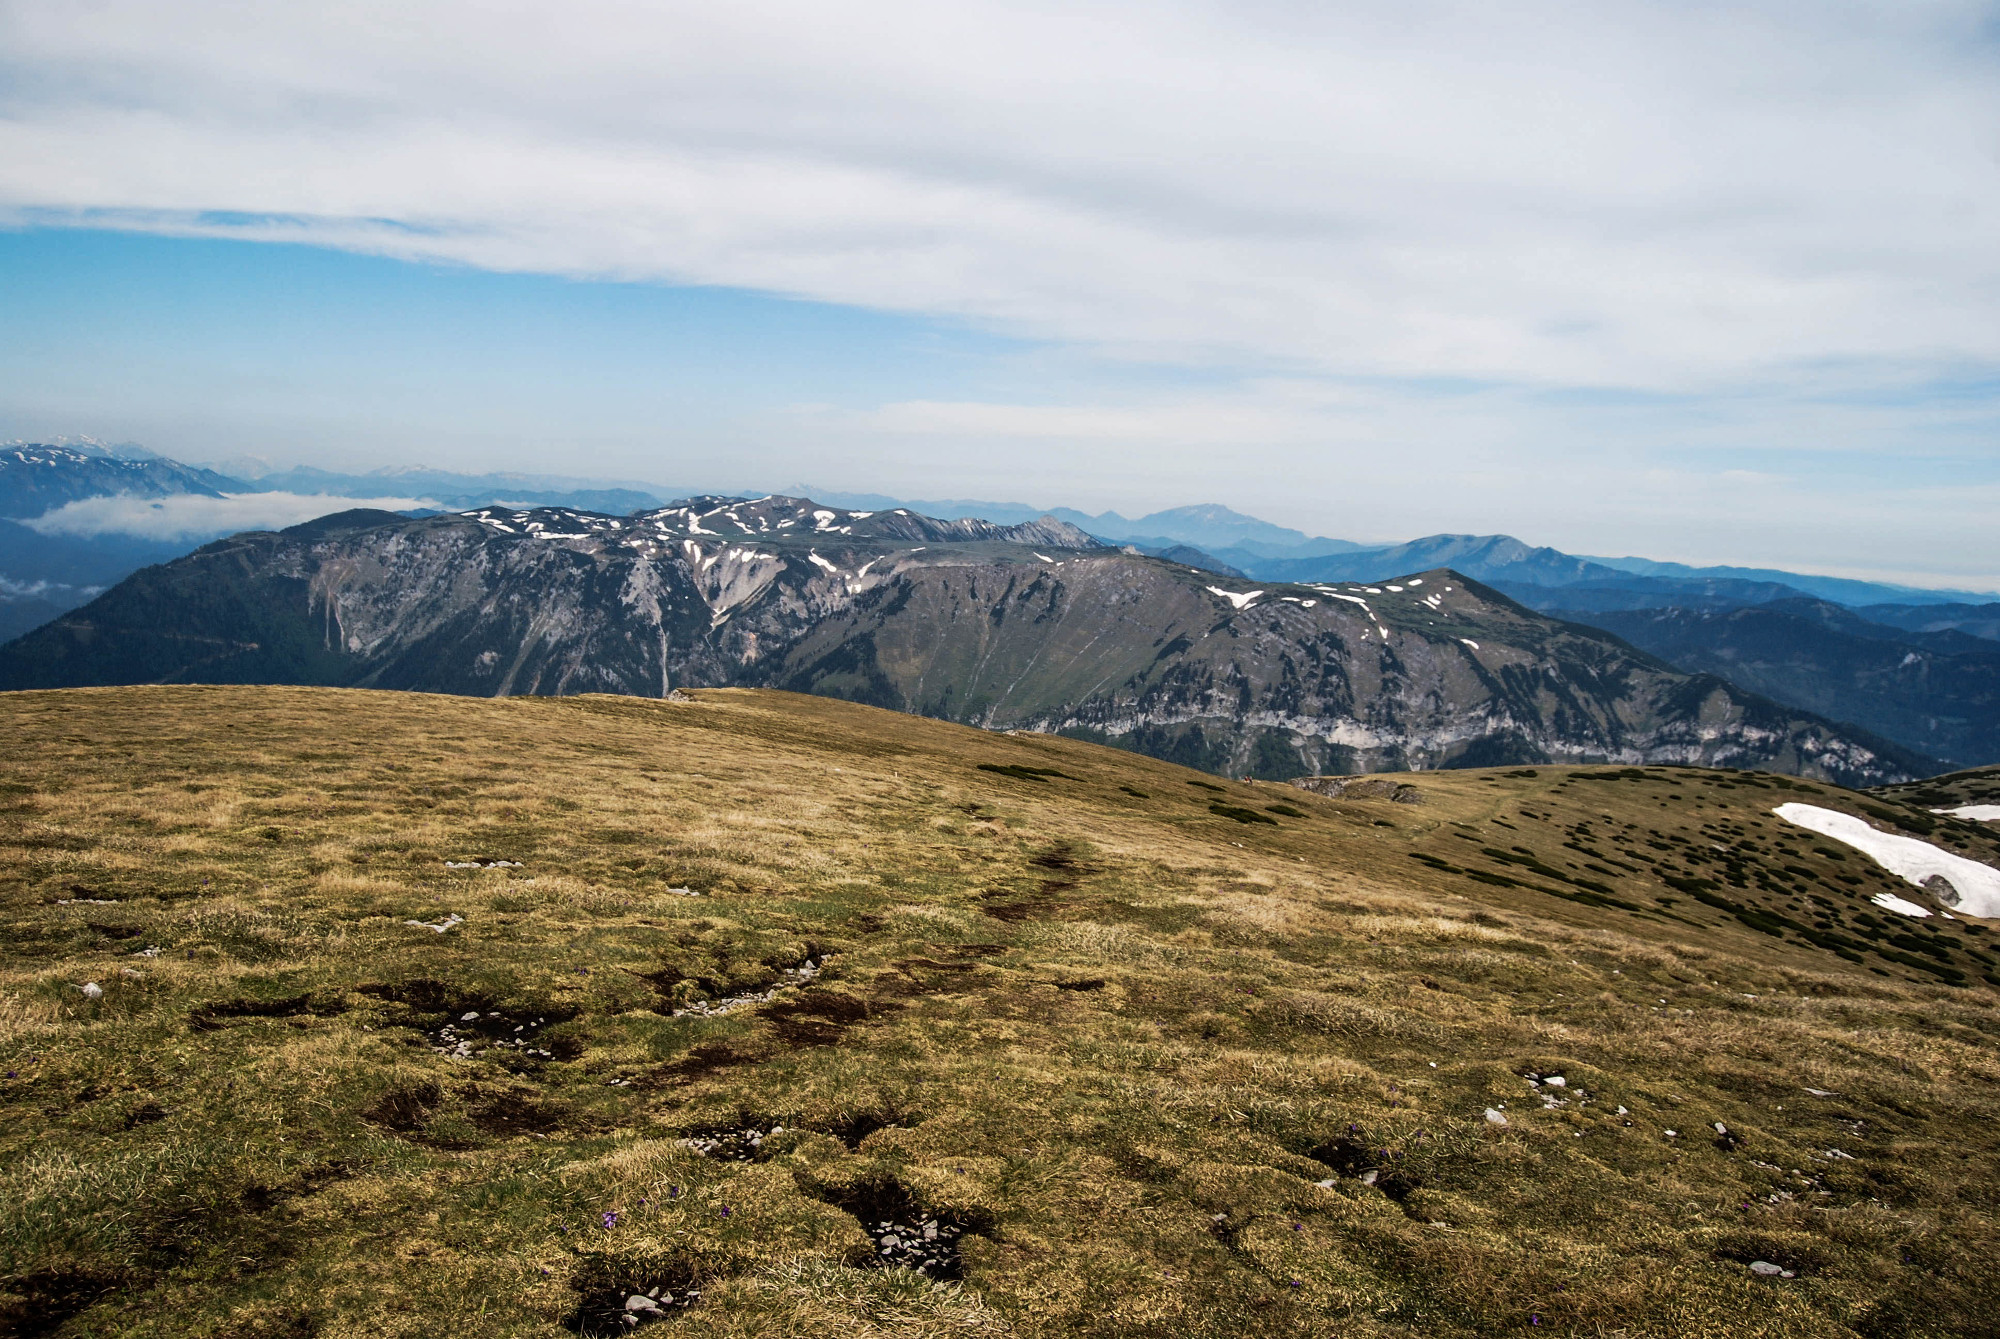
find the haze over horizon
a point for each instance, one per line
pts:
(1714, 285)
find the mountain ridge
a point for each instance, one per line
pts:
(1035, 626)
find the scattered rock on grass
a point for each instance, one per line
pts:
(438, 926)
(490, 1033)
(615, 1309)
(793, 976)
(741, 1145)
(928, 1246)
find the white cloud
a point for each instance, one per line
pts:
(187, 516)
(1637, 194)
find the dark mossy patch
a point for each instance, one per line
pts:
(1022, 773)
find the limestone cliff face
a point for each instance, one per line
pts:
(1031, 627)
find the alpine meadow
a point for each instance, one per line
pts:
(338, 1012)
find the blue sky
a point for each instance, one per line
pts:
(1709, 283)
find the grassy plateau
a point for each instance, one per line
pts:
(344, 1013)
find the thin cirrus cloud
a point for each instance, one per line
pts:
(1625, 194)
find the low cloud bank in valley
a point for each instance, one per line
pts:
(190, 516)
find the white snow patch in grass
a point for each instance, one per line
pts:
(822, 562)
(1240, 601)
(1984, 813)
(1901, 906)
(1969, 887)
(1469, 642)
(1397, 589)
(1045, 558)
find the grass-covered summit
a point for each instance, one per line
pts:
(332, 1013)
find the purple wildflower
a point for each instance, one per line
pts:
(610, 1220)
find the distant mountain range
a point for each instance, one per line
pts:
(1869, 653)
(38, 479)
(1036, 626)
(460, 490)
(1938, 692)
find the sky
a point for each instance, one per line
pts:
(1700, 281)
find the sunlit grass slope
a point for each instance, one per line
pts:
(1076, 1033)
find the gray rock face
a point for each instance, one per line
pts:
(1034, 627)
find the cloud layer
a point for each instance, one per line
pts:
(1710, 281)
(1654, 195)
(187, 516)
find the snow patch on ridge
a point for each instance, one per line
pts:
(1239, 601)
(1966, 886)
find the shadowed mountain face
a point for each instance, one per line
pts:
(1035, 627)
(1937, 692)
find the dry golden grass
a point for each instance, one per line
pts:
(1117, 1040)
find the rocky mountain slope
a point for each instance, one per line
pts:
(750, 1015)
(1935, 692)
(1033, 627)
